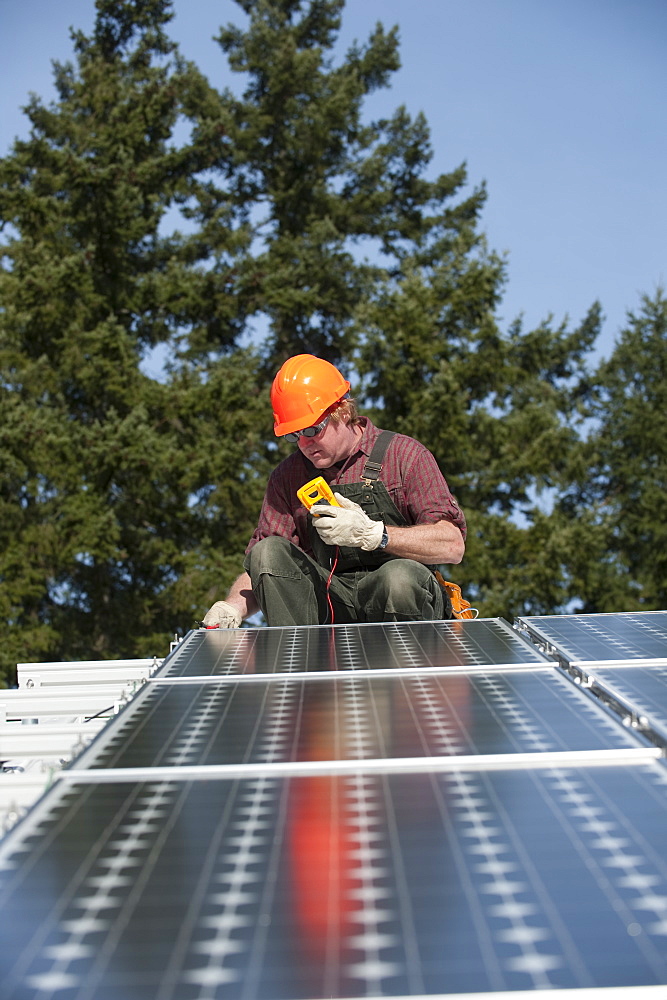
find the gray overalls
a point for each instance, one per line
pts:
(291, 587)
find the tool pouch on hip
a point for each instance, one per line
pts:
(460, 607)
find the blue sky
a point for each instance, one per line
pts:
(558, 105)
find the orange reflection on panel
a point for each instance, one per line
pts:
(320, 846)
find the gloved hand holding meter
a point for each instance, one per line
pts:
(339, 521)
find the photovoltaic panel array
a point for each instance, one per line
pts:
(421, 809)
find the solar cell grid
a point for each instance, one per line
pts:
(473, 643)
(359, 716)
(331, 887)
(586, 639)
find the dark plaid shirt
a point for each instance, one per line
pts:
(409, 471)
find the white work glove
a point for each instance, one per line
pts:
(223, 615)
(347, 525)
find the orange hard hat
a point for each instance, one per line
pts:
(304, 388)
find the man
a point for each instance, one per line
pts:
(373, 558)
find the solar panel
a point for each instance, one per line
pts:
(470, 643)
(584, 640)
(410, 809)
(328, 886)
(356, 716)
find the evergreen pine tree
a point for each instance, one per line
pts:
(335, 201)
(115, 489)
(618, 531)
(500, 411)
(362, 259)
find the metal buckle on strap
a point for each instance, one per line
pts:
(371, 473)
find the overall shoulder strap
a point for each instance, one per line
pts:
(374, 464)
(371, 470)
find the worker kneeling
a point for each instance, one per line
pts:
(367, 554)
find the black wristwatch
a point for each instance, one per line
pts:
(384, 541)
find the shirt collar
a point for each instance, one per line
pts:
(365, 446)
(369, 435)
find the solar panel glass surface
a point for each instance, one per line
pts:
(470, 644)
(355, 716)
(595, 639)
(330, 886)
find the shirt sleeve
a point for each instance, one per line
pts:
(427, 495)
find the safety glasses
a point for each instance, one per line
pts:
(307, 432)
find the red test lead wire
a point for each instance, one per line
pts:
(333, 568)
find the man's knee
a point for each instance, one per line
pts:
(273, 555)
(401, 577)
(405, 589)
(286, 582)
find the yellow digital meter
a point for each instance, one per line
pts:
(316, 491)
